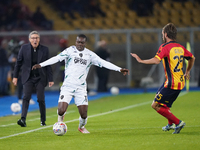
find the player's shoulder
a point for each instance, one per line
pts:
(88, 51)
(171, 44)
(70, 49)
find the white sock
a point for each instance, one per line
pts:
(82, 122)
(61, 118)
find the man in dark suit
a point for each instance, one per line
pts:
(29, 55)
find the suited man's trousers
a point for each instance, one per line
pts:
(28, 87)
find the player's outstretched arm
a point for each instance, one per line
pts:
(136, 57)
(36, 66)
(124, 71)
(50, 61)
(153, 60)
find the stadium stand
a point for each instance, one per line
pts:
(118, 15)
(117, 10)
(14, 16)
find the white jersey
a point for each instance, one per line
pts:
(77, 64)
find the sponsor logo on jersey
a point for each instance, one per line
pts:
(80, 60)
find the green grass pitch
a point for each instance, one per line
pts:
(123, 122)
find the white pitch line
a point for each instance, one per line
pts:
(68, 112)
(96, 115)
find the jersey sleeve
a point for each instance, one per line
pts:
(64, 54)
(187, 55)
(97, 61)
(50, 61)
(161, 53)
(55, 59)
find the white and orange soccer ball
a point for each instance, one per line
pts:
(59, 128)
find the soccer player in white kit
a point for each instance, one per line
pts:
(78, 60)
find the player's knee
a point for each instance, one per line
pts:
(153, 105)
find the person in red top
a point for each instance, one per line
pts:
(172, 54)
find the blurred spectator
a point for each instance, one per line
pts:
(69, 7)
(4, 69)
(63, 6)
(142, 7)
(11, 19)
(63, 44)
(86, 8)
(79, 6)
(102, 73)
(13, 15)
(94, 9)
(23, 18)
(40, 20)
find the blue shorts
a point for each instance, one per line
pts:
(166, 96)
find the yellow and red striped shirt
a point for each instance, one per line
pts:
(172, 54)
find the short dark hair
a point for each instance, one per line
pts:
(171, 31)
(83, 36)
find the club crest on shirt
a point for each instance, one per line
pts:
(159, 51)
(62, 96)
(80, 54)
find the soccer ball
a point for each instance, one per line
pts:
(15, 107)
(114, 90)
(59, 128)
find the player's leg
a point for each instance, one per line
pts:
(83, 115)
(165, 111)
(160, 109)
(81, 102)
(83, 118)
(63, 102)
(62, 108)
(162, 103)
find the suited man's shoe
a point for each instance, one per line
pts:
(21, 123)
(43, 123)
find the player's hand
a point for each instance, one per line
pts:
(124, 71)
(15, 81)
(51, 84)
(36, 66)
(187, 76)
(136, 57)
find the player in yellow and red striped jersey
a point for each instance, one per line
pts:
(172, 55)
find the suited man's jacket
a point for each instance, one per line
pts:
(24, 62)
